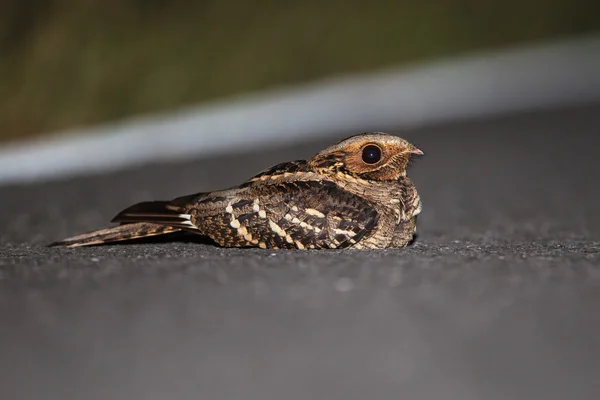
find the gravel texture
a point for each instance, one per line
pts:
(499, 297)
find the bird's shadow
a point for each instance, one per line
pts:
(182, 237)
(414, 239)
(175, 237)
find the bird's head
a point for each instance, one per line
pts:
(375, 156)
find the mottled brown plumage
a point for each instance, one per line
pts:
(354, 194)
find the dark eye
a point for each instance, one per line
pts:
(371, 154)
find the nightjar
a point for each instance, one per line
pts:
(354, 194)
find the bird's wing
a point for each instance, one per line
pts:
(290, 167)
(298, 214)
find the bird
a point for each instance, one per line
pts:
(354, 194)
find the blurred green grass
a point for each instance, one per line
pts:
(66, 63)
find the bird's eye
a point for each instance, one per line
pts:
(371, 154)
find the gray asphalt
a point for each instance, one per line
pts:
(498, 299)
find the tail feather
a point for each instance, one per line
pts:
(116, 234)
(158, 212)
(140, 220)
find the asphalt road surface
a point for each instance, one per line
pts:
(498, 299)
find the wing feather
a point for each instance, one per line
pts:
(304, 215)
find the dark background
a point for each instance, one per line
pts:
(68, 63)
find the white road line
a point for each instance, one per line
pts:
(550, 74)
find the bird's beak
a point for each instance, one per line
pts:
(417, 152)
